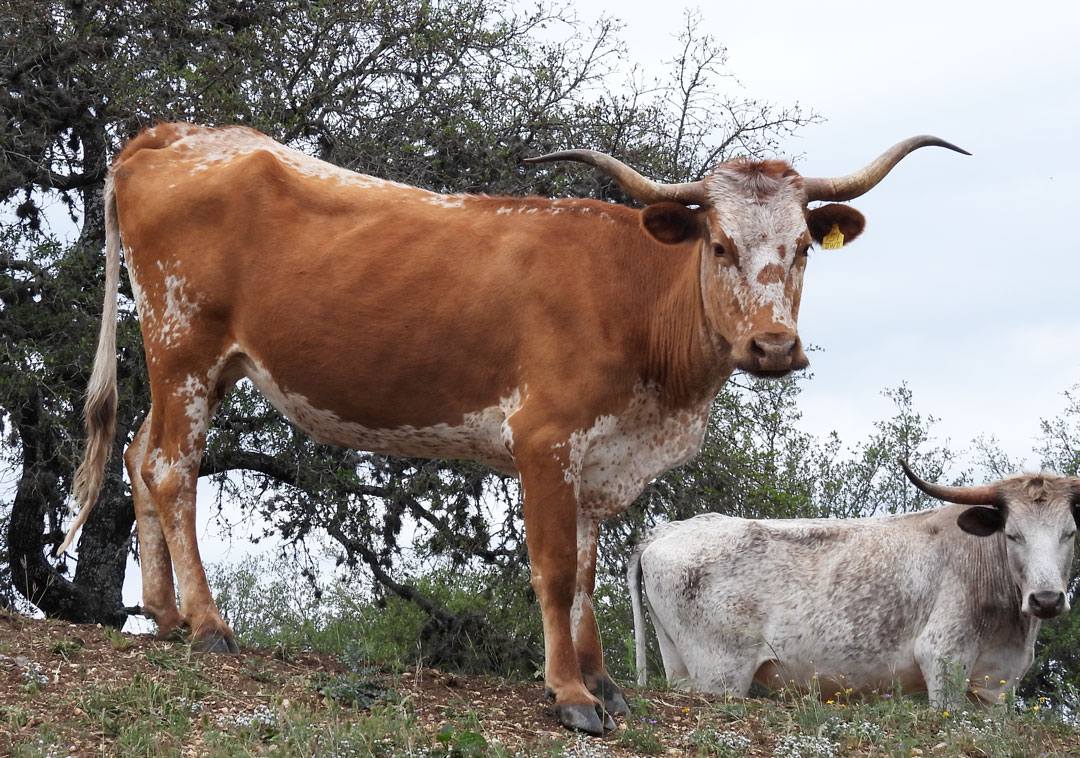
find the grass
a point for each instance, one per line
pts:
(180, 713)
(340, 688)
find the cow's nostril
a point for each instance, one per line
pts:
(1046, 603)
(773, 346)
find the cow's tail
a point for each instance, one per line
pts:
(99, 412)
(633, 581)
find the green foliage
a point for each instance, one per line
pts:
(461, 744)
(67, 649)
(269, 606)
(359, 689)
(146, 715)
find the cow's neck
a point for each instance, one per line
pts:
(682, 358)
(987, 562)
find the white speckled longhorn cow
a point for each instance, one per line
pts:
(575, 343)
(862, 604)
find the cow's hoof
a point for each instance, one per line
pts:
(582, 718)
(216, 643)
(609, 723)
(609, 693)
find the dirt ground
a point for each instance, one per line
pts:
(70, 690)
(45, 665)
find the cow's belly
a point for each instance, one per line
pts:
(481, 436)
(825, 644)
(619, 454)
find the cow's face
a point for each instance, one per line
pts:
(1039, 519)
(755, 232)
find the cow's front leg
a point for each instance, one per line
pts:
(549, 481)
(587, 642)
(945, 655)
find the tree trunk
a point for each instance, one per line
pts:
(95, 595)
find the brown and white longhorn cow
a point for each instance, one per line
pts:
(575, 343)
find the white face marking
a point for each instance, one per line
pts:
(758, 230)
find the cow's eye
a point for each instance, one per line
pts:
(1068, 536)
(719, 250)
(1017, 538)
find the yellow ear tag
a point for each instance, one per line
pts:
(834, 240)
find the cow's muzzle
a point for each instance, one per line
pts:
(1046, 604)
(771, 354)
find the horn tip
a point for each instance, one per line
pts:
(929, 140)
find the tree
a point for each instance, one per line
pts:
(448, 96)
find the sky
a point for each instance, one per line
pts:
(963, 283)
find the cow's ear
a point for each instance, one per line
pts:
(981, 521)
(847, 220)
(672, 223)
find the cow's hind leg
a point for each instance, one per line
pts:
(675, 670)
(158, 592)
(169, 470)
(587, 641)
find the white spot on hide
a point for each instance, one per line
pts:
(620, 454)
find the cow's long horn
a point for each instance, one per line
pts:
(987, 494)
(641, 189)
(865, 179)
